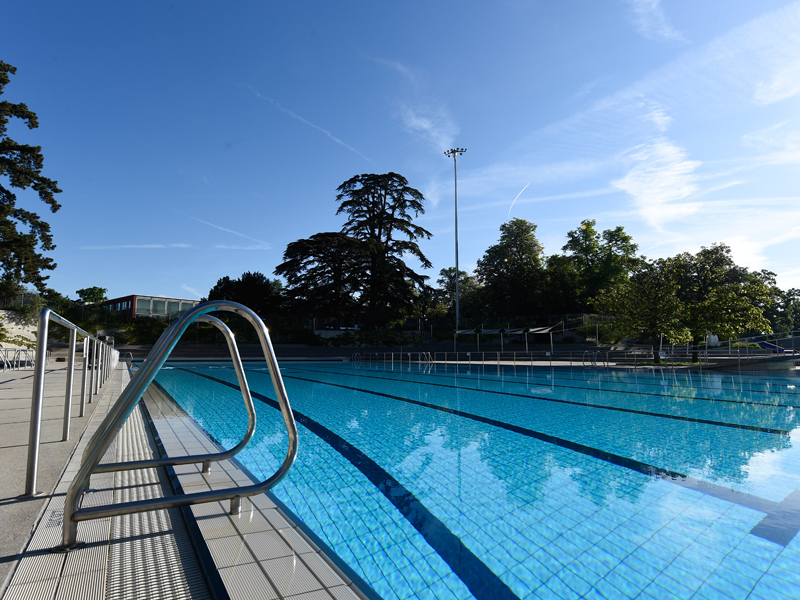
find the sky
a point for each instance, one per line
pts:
(194, 140)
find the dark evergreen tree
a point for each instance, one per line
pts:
(256, 291)
(324, 274)
(380, 209)
(23, 234)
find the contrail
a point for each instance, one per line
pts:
(515, 199)
(262, 243)
(309, 123)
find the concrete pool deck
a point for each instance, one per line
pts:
(197, 552)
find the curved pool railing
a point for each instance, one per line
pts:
(98, 445)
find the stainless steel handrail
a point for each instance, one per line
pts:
(206, 459)
(127, 401)
(40, 362)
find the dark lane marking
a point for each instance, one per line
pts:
(780, 525)
(480, 579)
(598, 389)
(591, 405)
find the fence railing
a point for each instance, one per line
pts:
(595, 358)
(19, 359)
(103, 360)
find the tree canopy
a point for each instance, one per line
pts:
(648, 303)
(512, 271)
(92, 295)
(23, 234)
(324, 274)
(253, 289)
(721, 296)
(380, 209)
(600, 260)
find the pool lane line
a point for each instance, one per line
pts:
(780, 523)
(585, 405)
(476, 575)
(575, 387)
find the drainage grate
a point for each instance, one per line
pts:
(151, 555)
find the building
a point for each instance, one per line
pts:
(150, 306)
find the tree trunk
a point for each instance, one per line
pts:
(696, 348)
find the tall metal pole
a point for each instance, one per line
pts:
(454, 152)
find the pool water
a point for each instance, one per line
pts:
(529, 483)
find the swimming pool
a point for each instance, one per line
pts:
(530, 483)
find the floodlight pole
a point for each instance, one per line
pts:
(454, 152)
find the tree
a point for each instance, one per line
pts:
(721, 297)
(23, 234)
(784, 312)
(601, 260)
(469, 292)
(562, 285)
(324, 274)
(512, 271)
(92, 295)
(256, 291)
(380, 209)
(648, 303)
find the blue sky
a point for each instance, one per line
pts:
(194, 140)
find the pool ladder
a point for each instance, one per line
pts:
(98, 445)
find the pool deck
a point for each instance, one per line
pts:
(262, 552)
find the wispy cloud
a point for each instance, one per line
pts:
(309, 123)
(661, 178)
(191, 290)
(432, 124)
(395, 65)
(422, 115)
(244, 247)
(126, 247)
(649, 19)
(779, 143)
(262, 245)
(536, 199)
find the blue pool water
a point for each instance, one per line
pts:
(530, 483)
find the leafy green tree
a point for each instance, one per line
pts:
(783, 312)
(23, 234)
(512, 271)
(469, 292)
(380, 209)
(648, 303)
(253, 289)
(56, 301)
(562, 284)
(92, 295)
(721, 297)
(601, 260)
(324, 274)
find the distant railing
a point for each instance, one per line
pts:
(18, 359)
(635, 358)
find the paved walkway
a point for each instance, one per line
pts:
(18, 514)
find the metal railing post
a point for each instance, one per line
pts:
(83, 378)
(73, 337)
(96, 376)
(36, 404)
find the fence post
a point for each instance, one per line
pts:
(36, 404)
(73, 337)
(83, 379)
(95, 367)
